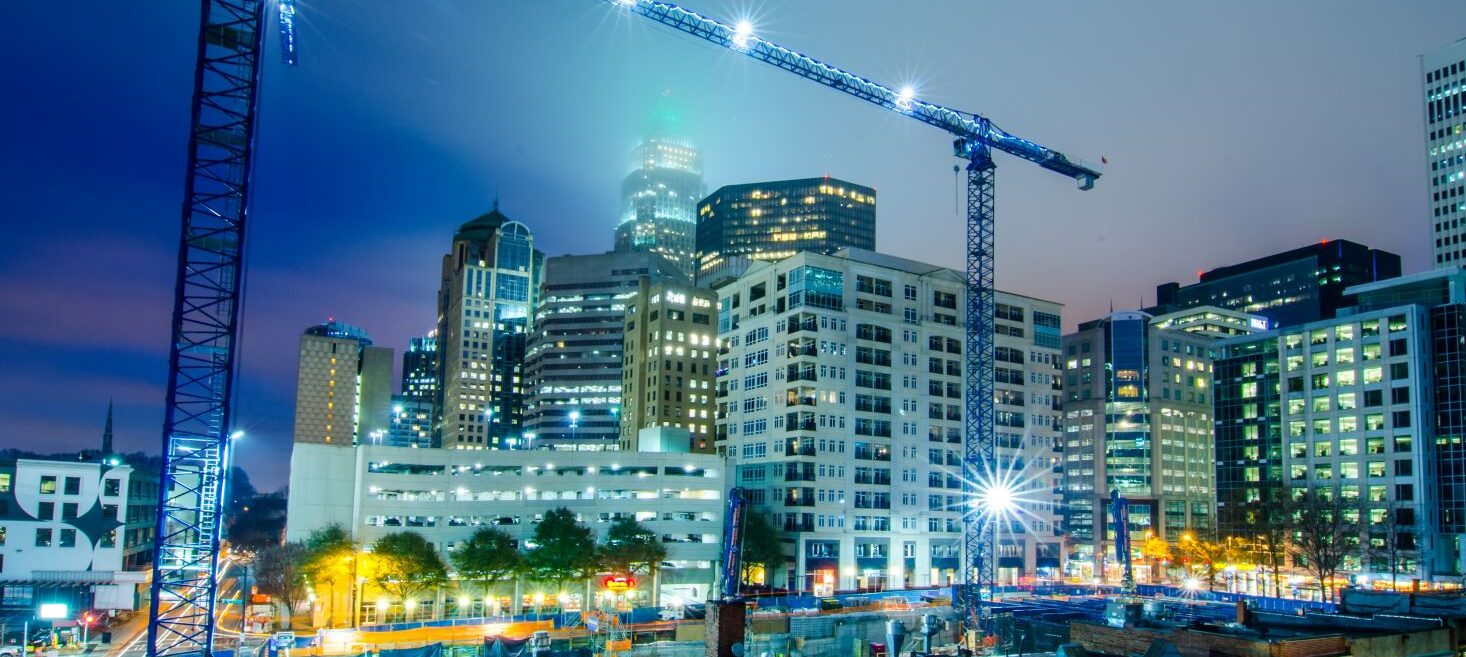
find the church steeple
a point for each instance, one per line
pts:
(107, 432)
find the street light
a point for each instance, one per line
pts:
(574, 422)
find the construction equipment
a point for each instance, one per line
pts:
(976, 138)
(206, 305)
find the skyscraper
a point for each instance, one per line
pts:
(670, 363)
(1443, 73)
(489, 282)
(659, 196)
(774, 220)
(1137, 419)
(1289, 288)
(343, 386)
(575, 352)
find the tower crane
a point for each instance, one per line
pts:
(197, 429)
(976, 138)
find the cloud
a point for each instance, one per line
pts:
(101, 292)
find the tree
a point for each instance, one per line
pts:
(762, 547)
(405, 563)
(259, 523)
(1210, 555)
(280, 574)
(1322, 538)
(329, 555)
(1156, 550)
(632, 548)
(1270, 550)
(488, 556)
(564, 550)
(1390, 537)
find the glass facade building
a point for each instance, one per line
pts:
(1138, 420)
(774, 220)
(488, 288)
(1290, 288)
(659, 196)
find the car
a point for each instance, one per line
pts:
(10, 651)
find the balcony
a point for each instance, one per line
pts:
(799, 472)
(801, 372)
(796, 525)
(799, 323)
(799, 447)
(801, 396)
(804, 347)
(799, 497)
(799, 422)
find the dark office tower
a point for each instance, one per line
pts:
(575, 352)
(1443, 74)
(774, 220)
(659, 196)
(1249, 430)
(1290, 288)
(420, 368)
(488, 287)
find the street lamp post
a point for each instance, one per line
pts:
(574, 423)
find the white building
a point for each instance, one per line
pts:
(1443, 74)
(446, 495)
(69, 529)
(840, 405)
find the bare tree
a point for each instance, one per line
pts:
(1388, 541)
(1322, 537)
(280, 574)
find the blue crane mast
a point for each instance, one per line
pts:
(976, 138)
(205, 329)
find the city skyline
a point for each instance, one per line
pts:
(396, 193)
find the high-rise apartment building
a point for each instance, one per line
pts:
(669, 364)
(575, 352)
(659, 196)
(1365, 411)
(1138, 420)
(774, 220)
(1289, 288)
(489, 282)
(841, 407)
(343, 387)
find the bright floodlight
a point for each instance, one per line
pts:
(236, 435)
(625, 3)
(742, 32)
(905, 96)
(996, 499)
(1191, 584)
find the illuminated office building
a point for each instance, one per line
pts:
(774, 220)
(575, 352)
(489, 283)
(1443, 73)
(659, 196)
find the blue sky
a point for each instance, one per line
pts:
(1232, 130)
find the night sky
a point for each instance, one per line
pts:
(1232, 130)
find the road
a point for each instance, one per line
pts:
(227, 616)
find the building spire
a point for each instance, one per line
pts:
(107, 432)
